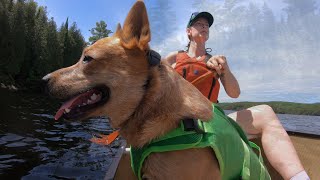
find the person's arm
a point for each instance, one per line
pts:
(170, 59)
(229, 82)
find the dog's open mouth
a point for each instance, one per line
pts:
(81, 104)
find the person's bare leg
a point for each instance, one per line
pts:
(262, 121)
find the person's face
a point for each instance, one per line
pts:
(199, 30)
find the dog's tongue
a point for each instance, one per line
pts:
(66, 105)
(78, 100)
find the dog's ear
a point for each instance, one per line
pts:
(136, 29)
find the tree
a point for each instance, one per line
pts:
(17, 37)
(55, 59)
(77, 43)
(100, 31)
(41, 27)
(30, 23)
(30, 45)
(65, 43)
(5, 49)
(72, 43)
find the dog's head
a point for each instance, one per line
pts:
(111, 75)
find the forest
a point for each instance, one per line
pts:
(264, 47)
(31, 44)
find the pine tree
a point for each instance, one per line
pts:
(5, 49)
(41, 62)
(30, 56)
(100, 31)
(30, 45)
(17, 37)
(54, 48)
(77, 43)
(63, 36)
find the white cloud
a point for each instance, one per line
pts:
(264, 72)
(174, 42)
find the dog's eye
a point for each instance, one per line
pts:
(87, 59)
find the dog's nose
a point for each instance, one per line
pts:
(46, 78)
(44, 83)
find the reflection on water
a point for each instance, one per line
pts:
(34, 146)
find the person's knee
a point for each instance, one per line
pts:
(265, 116)
(265, 108)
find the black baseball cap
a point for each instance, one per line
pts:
(196, 15)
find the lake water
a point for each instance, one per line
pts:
(34, 146)
(298, 123)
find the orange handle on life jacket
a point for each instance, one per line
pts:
(105, 139)
(203, 77)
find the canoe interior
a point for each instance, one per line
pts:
(307, 146)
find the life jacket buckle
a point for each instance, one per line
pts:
(193, 125)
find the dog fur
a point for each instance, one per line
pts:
(145, 102)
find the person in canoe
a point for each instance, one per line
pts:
(197, 66)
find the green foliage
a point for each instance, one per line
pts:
(55, 58)
(278, 107)
(17, 37)
(100, 31)
(64, 37)
(5, 49)
(72, 43)
(75, 45)
(30, 44)
(30, 23)
(41, 61)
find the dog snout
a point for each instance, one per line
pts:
(46, 78)
(45, 81)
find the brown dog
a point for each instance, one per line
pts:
(113, 78)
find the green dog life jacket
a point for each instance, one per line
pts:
(230, 144)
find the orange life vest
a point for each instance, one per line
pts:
(195, 71)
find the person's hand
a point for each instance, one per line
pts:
(229, 82)
(218, 63)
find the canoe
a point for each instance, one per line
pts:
(307, 146)
(308, 149)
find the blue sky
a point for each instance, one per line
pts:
(87, 12)
(286, 88)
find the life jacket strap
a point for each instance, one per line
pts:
(193, 125)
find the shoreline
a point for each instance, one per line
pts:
(280, 107)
